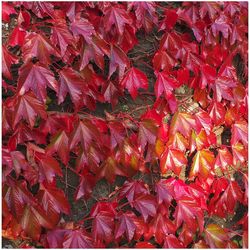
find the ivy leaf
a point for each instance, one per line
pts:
(72, 83)
(147, 132)
(226, 202)
(133, 80)
(40, 9)
(240, 132)
(17, 37)
(221, 24)
(145, 14)
(61, 36)
(189, 212)
(53, 201)
(172, 159)
(178, 141)
(203, 120)
(163, 189)
(217, 112)
(110, 168)
(81, 26)
(27, 107)
(132, 189)
(216, 237)
(203, 164)
(159, 227)
(126, 225)
(163, 61)
(223, 88)
(117, 133)
(49, 167)
(36, 77)
(146, 205)
(7, 60)
(31, 221)
(117, 17)
(7, 10)
(36, 45)
(77, 238)
(208, 75)
(118, 59)
(94, 51)
(165, 84)
(60, 144)
(172, 242)
(110, 93)
(183, 123)
(85, 187)
(84, 132)
(102, 228)
(223, 159)
(212, 9)
(239, 153)
(144, 244)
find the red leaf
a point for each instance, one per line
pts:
(7, 60)
(216, 237)
(118, 59)
(36, 77)
(172, 159)
(178, 141)
(31, 221)
(94, 51)
(240, 132)
(159, 227)
(61, 36)
(146, 205)
(163, 61)
(163, 189)
(102, 228)
(132, 189)
(49, 167)
(133, 80)
(217, 112)
(189, 212)
(117, 133)
(86, 186)
(226, 203)
(110, 93)
(239, 153)
(212, 9)
(84, 132)
(221, 24)
(17, 37)
(27, 107)
(60, 144)
(144, 244)
(172, 242)
(81, 26)
(36, 45)
(53, 201)
(23, 19)
(72, 83)
(77, 238)
(126, 225)
(147, 132)
(223, 159)
(165, 84)
(117, 17)
(203, 164)
(110, 168)
(7, 10)
(183, 123)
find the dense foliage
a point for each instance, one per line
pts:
(184, 170)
